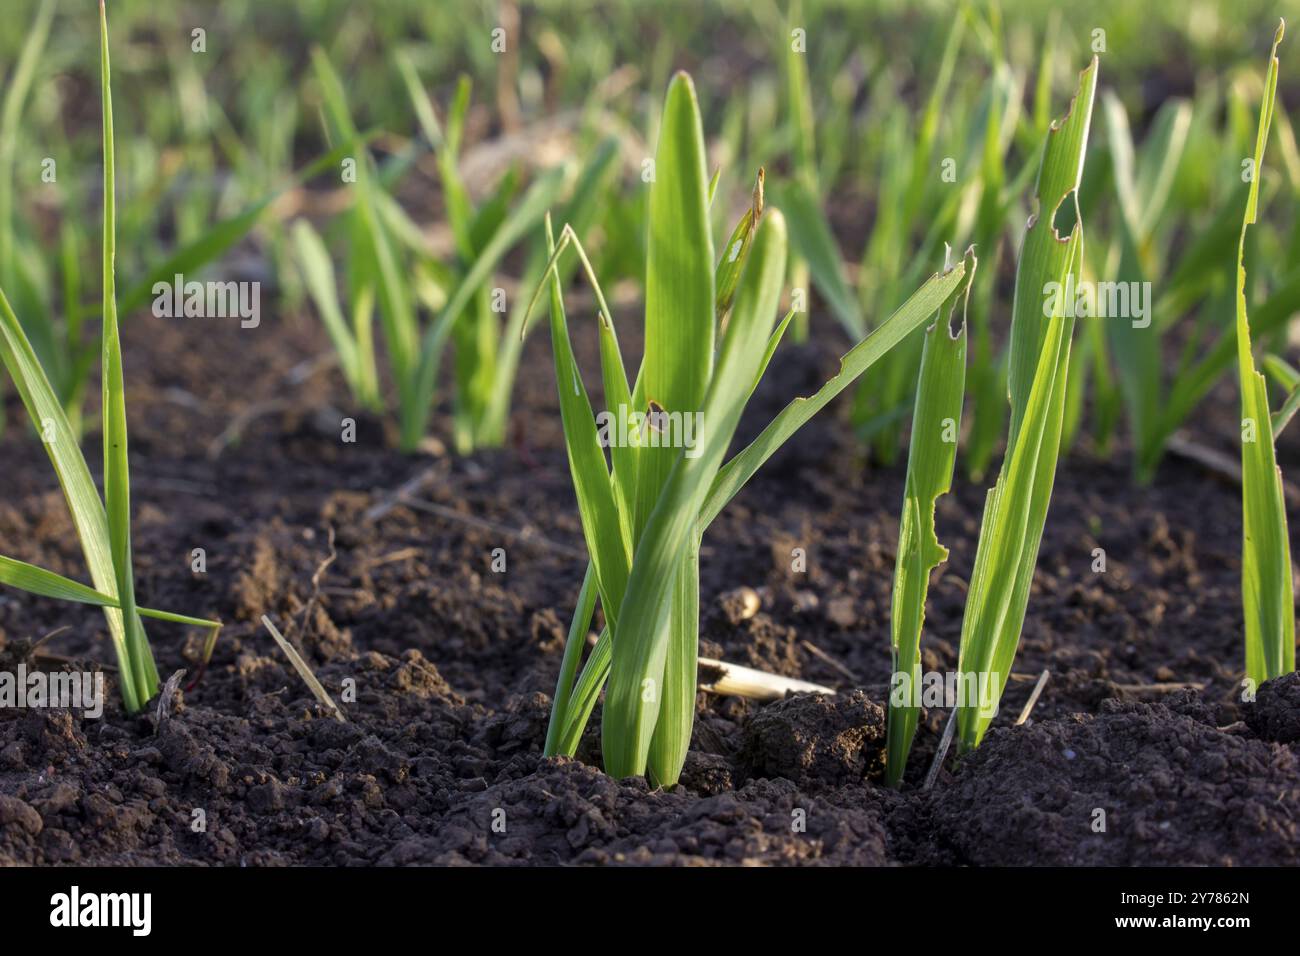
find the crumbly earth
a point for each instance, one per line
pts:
(1139, 750)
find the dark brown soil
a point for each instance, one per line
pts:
(453, 664)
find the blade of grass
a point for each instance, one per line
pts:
(541, 194)
(638, 687)
(1288, 378)
(811, 236)
(86, 507)
(1267, 589)
(610, 551)
(931, 456)
(318, 275)
(580, 212)
(736, 252)
(117, 474)
(1016, 507)
(573, 647)
(38, 581)
(397, 312)
(920, 307)
(680, 300)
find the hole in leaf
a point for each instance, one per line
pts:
(1065, 217)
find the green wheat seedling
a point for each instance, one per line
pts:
(645, 510)
(1267, 593)
(965, 196)
(1127, 358)
(931, 455)
(1016, 507)
(103, 525)
(815, 254)
(488, 349)
(391, 269)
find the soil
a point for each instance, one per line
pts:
(1138, 751)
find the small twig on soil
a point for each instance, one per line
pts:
(305, 614)
(821, 655)
(235, 429)
(1165, 688)
(401, 494)
(304, 671)
(311, 366)
(36, 644)
(944, 743)
(527, 535)
(294, 377)
(1223, 465)
(1033, 697)
(734, 680)
(399, 555)
(347, 592)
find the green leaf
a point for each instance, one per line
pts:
(637, 684)
(579, 213)
(1134, 349)
(921, 306)
(573, 646)
(672, 734)
(624, 456)
(87, 509)
(736, 252)
(1016, 507)
(117, 474)
(318, 275)
(610, 552)
(1285, 375)
(397, 311)
(811, 237)
(931, 456)
(679, 295)
(34, 580)
(1267, 589)
(586, 692)
(527, 213)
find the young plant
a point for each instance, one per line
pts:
(931, 455)
(1124, 355)
(391, 268)
(1016, 507)
(816, 255)
(103, 525)
(488, 350)
(66, 351)
(645, 510)
(1267, 594)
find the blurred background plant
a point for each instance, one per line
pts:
(887, 128)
